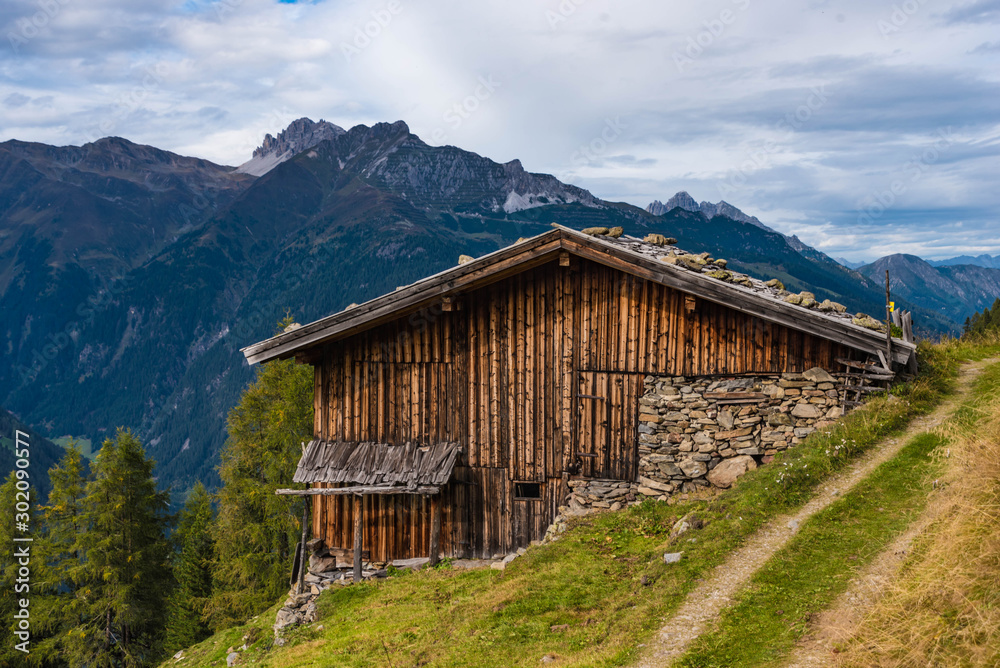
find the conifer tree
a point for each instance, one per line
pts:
(63, 522)
(123, 576)
(257, 531)
(192, 571)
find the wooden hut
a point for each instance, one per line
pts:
(470, 401)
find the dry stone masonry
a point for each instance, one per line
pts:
(696, 433)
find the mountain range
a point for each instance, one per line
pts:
(132, 276)
(955, 291)
(988, 261)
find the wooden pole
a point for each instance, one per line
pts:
(359, 504)
(888, 323)
(303, 560)
(435, 528)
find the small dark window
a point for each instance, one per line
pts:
(527, 490)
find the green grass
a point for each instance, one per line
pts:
(943, 608)
(805, 576)
(604, 578)
(85, 445)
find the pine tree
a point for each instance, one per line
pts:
(123, 575)
(57, 604)
(193, 572)
(257, 531)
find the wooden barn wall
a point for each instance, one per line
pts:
(398, 526)
(503, 375)
(627, 324)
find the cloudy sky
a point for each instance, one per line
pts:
(864, 127)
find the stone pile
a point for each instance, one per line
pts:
(601, 493)
(699, 433)
(323, 573)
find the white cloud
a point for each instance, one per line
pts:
(227, 71)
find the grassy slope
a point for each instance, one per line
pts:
(816, 566)
(604, 577)
(944, 608)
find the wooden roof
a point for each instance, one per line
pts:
(367, 464)
(628, 254)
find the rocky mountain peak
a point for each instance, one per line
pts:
(300, 135)
(681, 199)
(688, 203)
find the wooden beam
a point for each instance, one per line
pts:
(435, 529)
(563, 259)
(888, 322)
(303, 560)
(359, 504)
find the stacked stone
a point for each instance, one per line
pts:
(298, 609)
(600, 493)
(323, 573)
(684, 435)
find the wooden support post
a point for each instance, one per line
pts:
(888, 324)
(303, 559)
(435, 528)
(359, 504)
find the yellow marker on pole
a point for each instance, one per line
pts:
(892, 306)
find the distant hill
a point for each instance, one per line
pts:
(131, 276)
(991, 262)
(849, 264)
(955, 292)
(43, 454)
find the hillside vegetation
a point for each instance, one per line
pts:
(596, 594)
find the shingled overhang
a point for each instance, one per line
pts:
(350, 467)
(628, 254)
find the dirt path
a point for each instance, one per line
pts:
(839, 622)
(704, 604)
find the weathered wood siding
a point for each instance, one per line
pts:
(503, 374)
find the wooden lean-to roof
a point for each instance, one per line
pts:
(375, 468)
(627, 254)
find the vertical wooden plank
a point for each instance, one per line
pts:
(603, 339)
(475, 383)
(673, 343)
(358, 510)
(584, 344)
(642, 324)
(623, 328)
(509, 450)
(526, 435)
(614, 430)
(569, 309)
(496, 357)
(319, 405)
